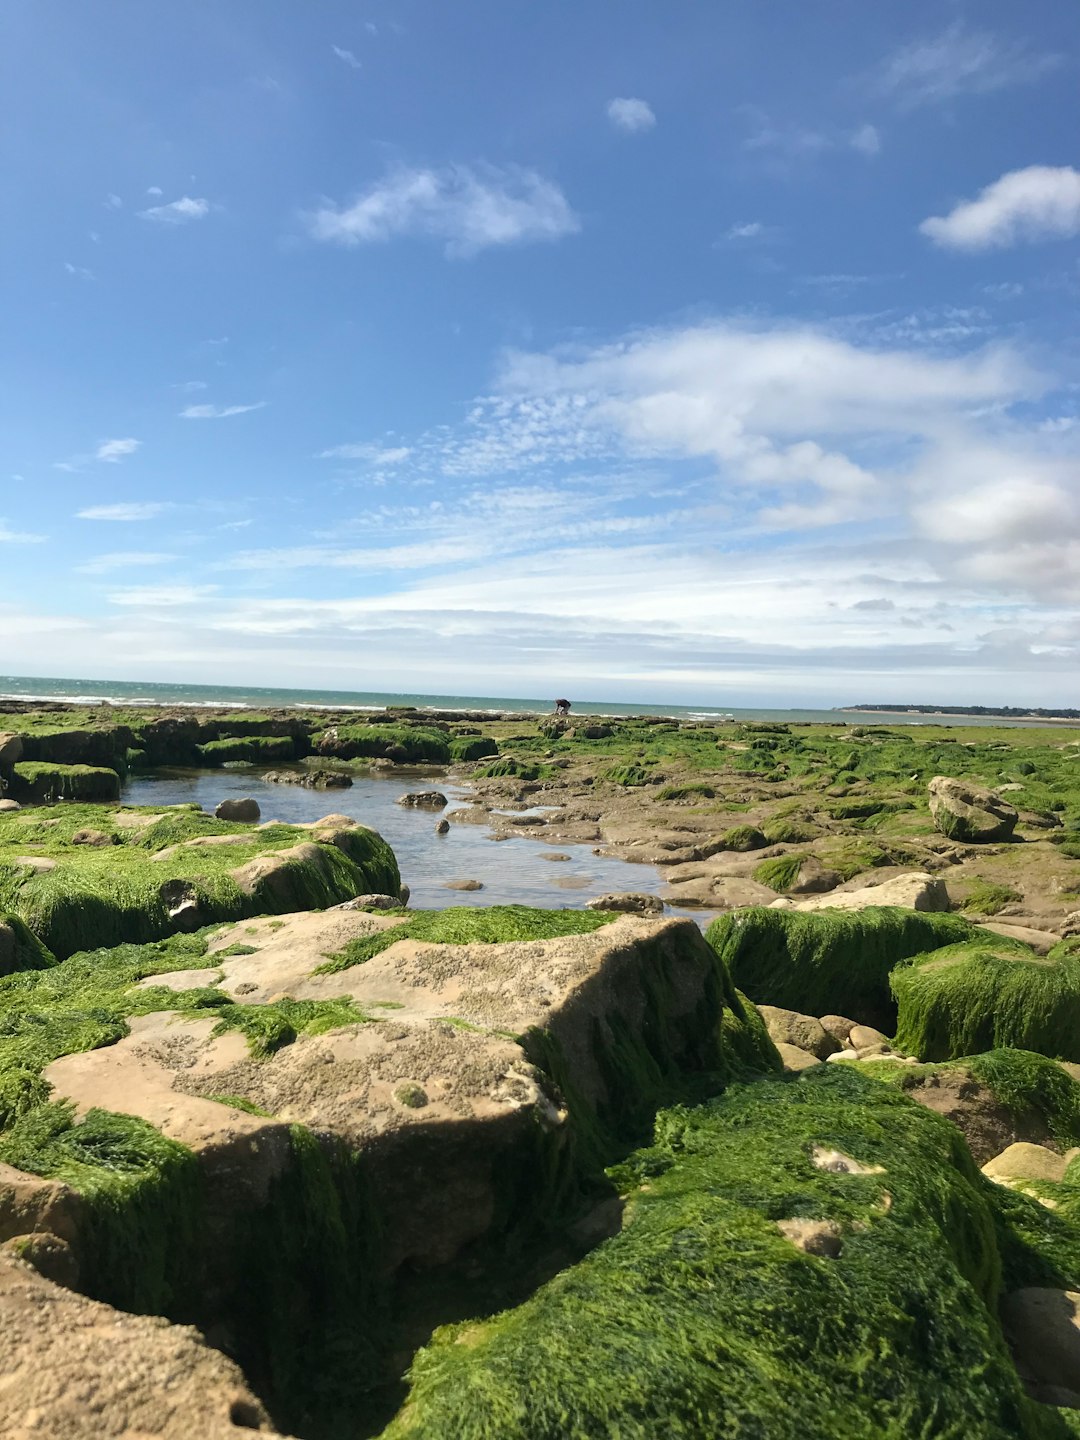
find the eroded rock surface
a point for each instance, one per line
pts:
(970, 813)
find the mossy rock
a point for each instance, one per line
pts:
(258, 749)
(743, 838)
(404, 744)
(780, 873)
(705, 1316)
(510, 767)
(987, 897)
(629, 776)
(829, 962)
(20, 949)
(472, 747)
(44, 781)
(988, 993)
(165, 876)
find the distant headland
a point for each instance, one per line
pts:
(1004, 712)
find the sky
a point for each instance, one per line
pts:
(694, 352)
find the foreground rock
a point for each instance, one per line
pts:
(629, 904)
(916, 891)
(73, 1369)
(245, 810)
(970, 813)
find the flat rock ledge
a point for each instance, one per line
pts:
(432, 1089)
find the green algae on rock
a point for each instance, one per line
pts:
(706, 1315)
(45, 780)
(828, 962)
(986, 993)
(179, 872)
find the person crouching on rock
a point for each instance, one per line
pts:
(562, 707)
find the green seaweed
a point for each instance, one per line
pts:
(781, 872)
(42, 780)
(472, 747)
(701, 1319)
(468, 925)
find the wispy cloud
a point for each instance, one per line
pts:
(136, 510)
(114, 450)
(123, 560)
(959, 61)
(631, 115)
(347, 56)
(794, 141)
(469, 208)
(79, 272)
(189, 387)
(154, 190)
(113, 202)
(152, 597)
(177, 212)
(109, 451)
(374, 454)
(1039, 203)
(219, 412)
(749, 230)
(17, 537)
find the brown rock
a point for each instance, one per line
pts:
(917, 890)
(423, 800)
(463, 885)
(91, 837)
(796, 1059)
(1023, 1161)
(29, 1203)
(815, 1237)
(788, 1027)
(1043, 1330)
(968, 813)
(838, 1026)
(863, 1037)
(1041, 941)
(629, 904)
(73, 1369)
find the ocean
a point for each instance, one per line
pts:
(126, 692)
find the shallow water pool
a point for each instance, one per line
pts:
(512, 871)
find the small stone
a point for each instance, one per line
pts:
(815, 1237)
(862, 1037)
(843, 1055)
(244, 810)
(92, 837)
(629, 904)
(838, 1026)
(463, 885)
(423, 800)
(788, 1027)
(795, 1059)
(556, 855)
(442, 827)
(1024, 1161)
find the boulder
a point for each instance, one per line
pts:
(1041, 941)
(917, 890)
(865, 1037)
(969, 813)
(244, 810)
(1042, 1327)
(463, 885)
(11, 750)
(423, 800)
(628, 903)
(838, 1026)
(6, 805)
(92, 837)
(795, 1059)
(442, 827)
(788, 1027)
(1023, 1161)
(310, 779)
(74, 1368)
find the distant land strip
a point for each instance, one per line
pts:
(1006, 712)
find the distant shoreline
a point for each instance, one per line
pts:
(983, 715)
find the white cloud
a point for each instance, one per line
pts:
(374, 454)
(138, 510)
(219, 412)
(189, 387)
(79, 271)
(1039, 203)
(470, 208)
(347, 56)
(957, 62)
(866, 139)
(631, 115)
(113, 202)
(151, 597)
(154, 190)
(748, 230)
(16, 537)
(177, 212)
(114, 450)
(123, 560)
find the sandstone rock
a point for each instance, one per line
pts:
(1041, 941)
(6, 805)
(370, 902)
(838, 1026)
(846, 1054)
(1043, 1331)
(1023, 1161)
(796, 1059)
(91, 837)
(1070, 926)
(245, 810)
(29, 1203)
(788, 1027)
(11, 750)
(917, 890)
(74, 1369)
(815, 1237)
(48, 1254)
(423, 800)
(310, 779)
(969, 813)
(864, 1037)
(814, 878)
(463, 885)
(629, 903)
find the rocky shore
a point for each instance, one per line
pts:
(278, 1152)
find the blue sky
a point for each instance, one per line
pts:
(687, 352)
